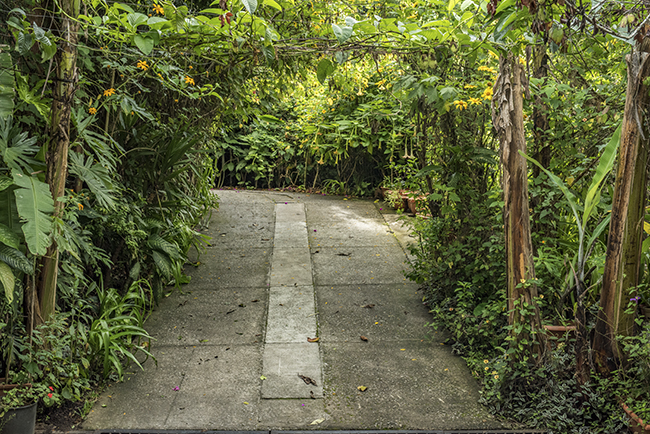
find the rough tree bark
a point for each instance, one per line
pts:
(508, 121)
(625, 229)
(57, 153)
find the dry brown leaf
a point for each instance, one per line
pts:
(363, 338)
(362, 388)
(313, 339)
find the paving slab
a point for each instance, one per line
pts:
(291, 266)
(218, 393)
(145, 398)
(235, 268)
(360, 233)
(341, 211)
(208, 316)
(410, 385)
(291, 314)
(358, 265)
(375, 312)
(282, 366)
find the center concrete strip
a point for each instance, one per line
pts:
(292, 366)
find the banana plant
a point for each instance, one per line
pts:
(592, 199)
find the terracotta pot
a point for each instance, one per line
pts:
(637, 424)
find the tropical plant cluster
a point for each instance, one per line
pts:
(506, 120)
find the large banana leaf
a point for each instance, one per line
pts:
(7, 280)
(8, 237)
(6, 85)
(605, 165)
(34, 203)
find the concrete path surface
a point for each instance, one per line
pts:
(299, 317)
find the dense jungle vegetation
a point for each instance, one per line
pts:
(519, 127)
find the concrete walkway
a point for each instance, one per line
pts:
(233, 350)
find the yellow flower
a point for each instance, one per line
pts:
(160, 75)
(109, 92)
(487, 94)
(92, 110)
(486, 361)
(158, 9)
(460, 104)
(486, 368)
(475, 101)
(522, 281)
(142, 64)
(189, 80)
(469, 86)
(496, 377)
(494, 372)
(541, 296)
(80, 206)
(191, 67)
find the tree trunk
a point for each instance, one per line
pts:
(508, 121)
(57, 153)
(625, 229)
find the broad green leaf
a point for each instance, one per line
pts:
(8, 281)
(342, 33)
(96, 177)
(570, 197)
(34, 203)
(273, 4)
(250, 5)
(325, 68)
(605, 165)
(6, 85)
(8, 237)
(25, 42)
(135, 19)
(145, 44)
(16, 147)
(5, 182)
(452, 4)
(162, 262)
(15, 259)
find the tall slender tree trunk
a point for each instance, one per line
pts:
(57, 153)
(625, 229)
(508, 120)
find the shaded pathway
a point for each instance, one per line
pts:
(213, 341)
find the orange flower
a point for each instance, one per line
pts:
(92, 110)
(158, 9)
(189, 80)
(109, 92)
(142, 64)
(80, 206)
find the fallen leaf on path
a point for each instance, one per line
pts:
(262, 377)
(203, 340)
(362, 388)
(317, 421)
(313, 339)
(230, 311)
(343, 254)
(363, 338)
(368, 306)
(307, 380)
(311, 394)
(245, 403)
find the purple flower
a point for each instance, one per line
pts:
(314, 230)
(636, 299)
(176, 389)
